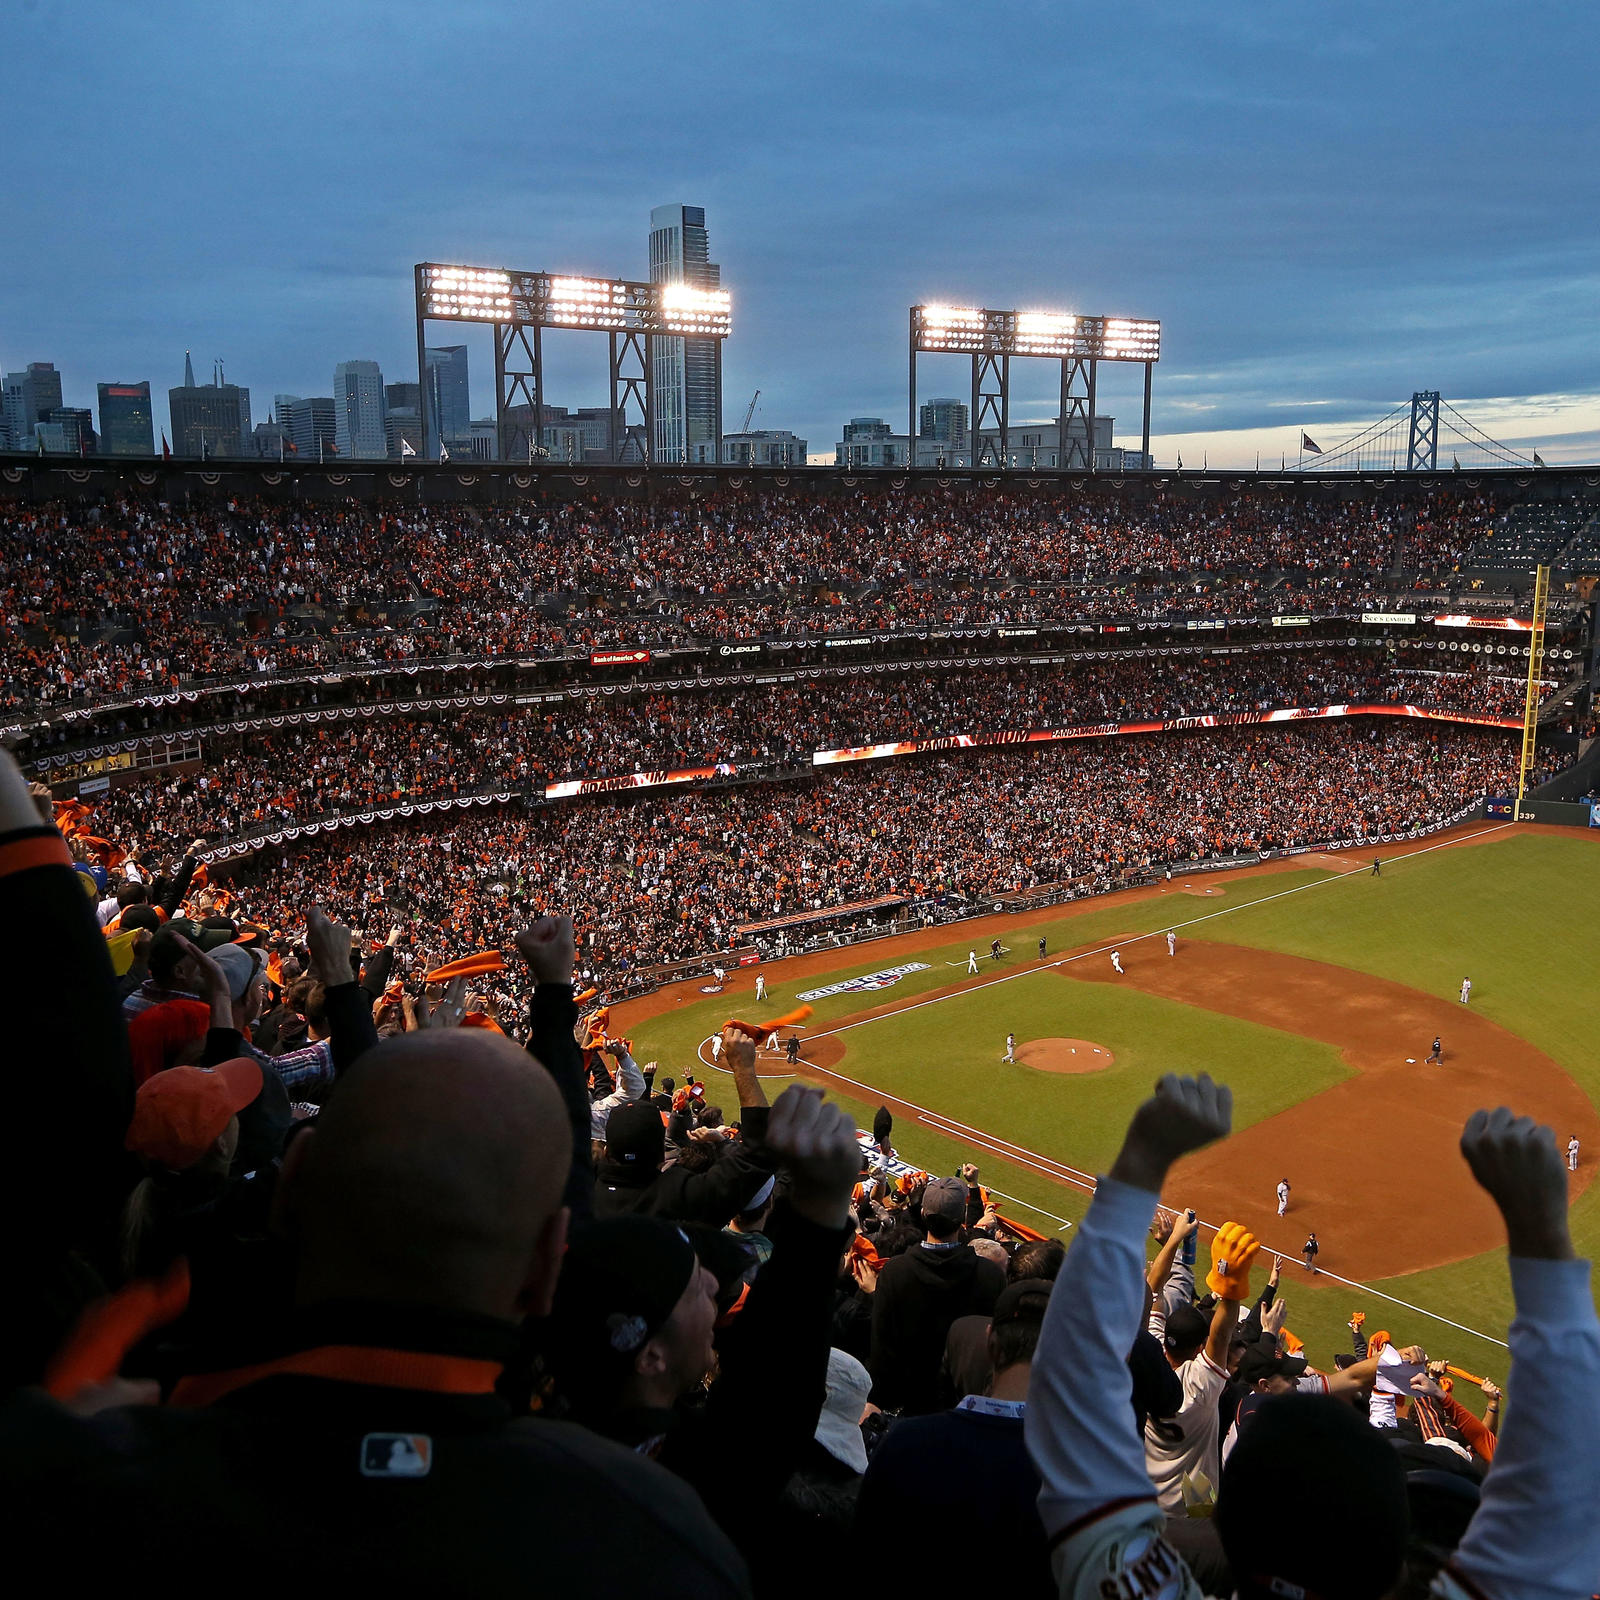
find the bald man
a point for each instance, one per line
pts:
(364, 1440)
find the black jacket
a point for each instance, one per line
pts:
(715, 1196)
(919, 1295)
(288, 1480)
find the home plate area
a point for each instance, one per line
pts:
(1064, 1055)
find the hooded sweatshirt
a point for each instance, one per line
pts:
(919, 1295)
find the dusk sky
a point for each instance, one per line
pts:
(1327, 207)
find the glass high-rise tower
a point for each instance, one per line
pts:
(685, 371)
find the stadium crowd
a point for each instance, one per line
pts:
(457, 1309)
(672, 875)
(130, 596)
(255, 779)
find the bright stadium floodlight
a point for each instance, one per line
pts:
(991, 338)
(519, 305)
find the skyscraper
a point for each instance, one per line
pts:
(449, 398)
(27, 396)
(306, 424)
(209, 419)
(358, 411)
(67, 431)
(127, 424)
(685, 376)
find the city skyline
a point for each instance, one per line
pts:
(1323, 217)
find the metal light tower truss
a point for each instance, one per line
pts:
(992, 338)
(1422, 446)
(1530, 704)
(519, 305)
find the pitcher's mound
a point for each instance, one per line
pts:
(1064, 1055)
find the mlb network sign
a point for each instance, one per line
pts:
(870, 980)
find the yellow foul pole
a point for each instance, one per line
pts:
(1530, 704)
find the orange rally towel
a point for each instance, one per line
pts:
(760, 1030)
(108, 1330)
(588, 994)
(481, 1019)
(468, 967)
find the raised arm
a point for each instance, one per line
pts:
(1161, 1267)
(1535, 1534)
(1080, 1422)
(549, 949)
(346, 1004)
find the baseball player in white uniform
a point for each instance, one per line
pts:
(1011, 1053)
(761, 986)
(1172, 943)
(1572, 1153)
(772, 1041)
(1116, 961)
(1466, 990)
(716, 1047)
(719, 974)
(972, 963)
(1283, 1195)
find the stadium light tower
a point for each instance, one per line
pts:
(992, 338)
(520, 305)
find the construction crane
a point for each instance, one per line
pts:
(749, 412)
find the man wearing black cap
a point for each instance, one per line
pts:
(630, 1177)
(1265, 1371)
(925, 1468)
(1531, 1535)
(919, 1294)
(630, 1334)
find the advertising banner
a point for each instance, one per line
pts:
(1103, 730)
(635, 780)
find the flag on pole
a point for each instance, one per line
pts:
(1538, 460)
(1455, 463)
(1309, 445)
(1180, 461)
(405, 449)
(166, 449)
(444, 454)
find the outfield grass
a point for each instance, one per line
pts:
(1509, 913)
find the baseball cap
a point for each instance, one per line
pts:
(635, 1135)
(180, 1113)
(209, 935)
(1263, 1361)
(1186, 1328)
(620, 1280)
(1027, 1297)
(239, 967)
(159, 1032)
(945, 1197)
(839, 1424)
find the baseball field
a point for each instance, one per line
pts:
(1311, 986)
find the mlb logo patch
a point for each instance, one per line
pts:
(396, 1455)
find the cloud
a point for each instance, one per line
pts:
(1345, 206)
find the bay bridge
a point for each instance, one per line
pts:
(1423, 436)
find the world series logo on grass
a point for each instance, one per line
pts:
(870, 980)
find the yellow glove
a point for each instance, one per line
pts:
(1232, 1251)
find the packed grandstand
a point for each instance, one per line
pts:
(345, 767)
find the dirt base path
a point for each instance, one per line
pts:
(1372, 1162)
